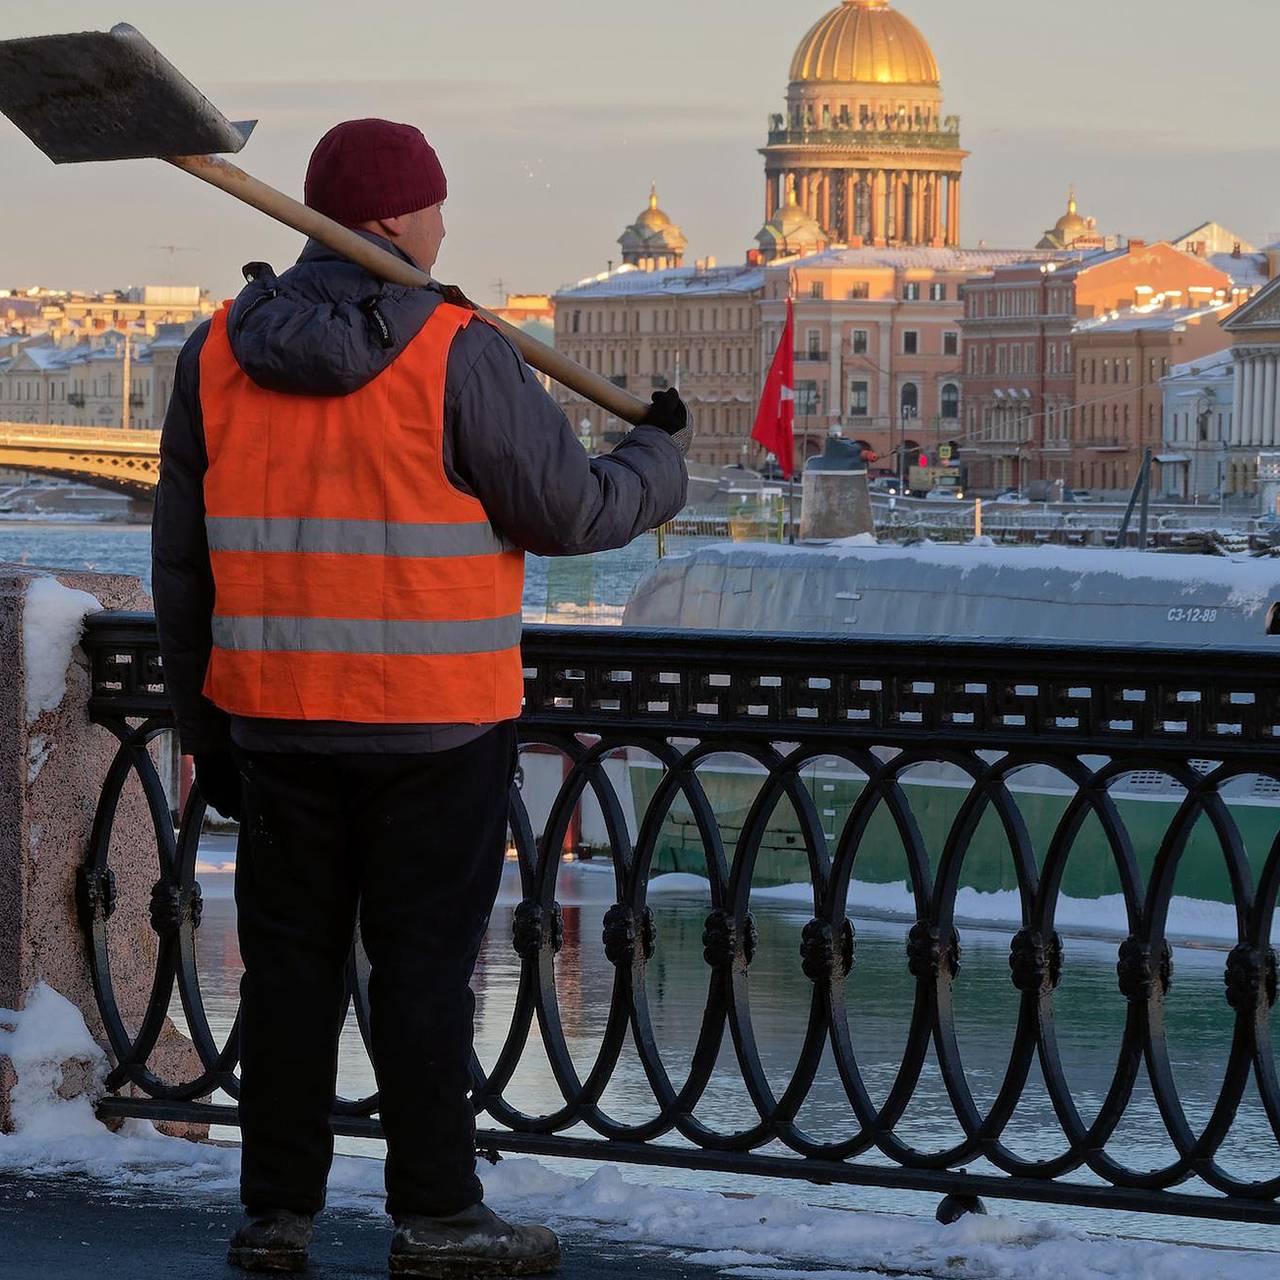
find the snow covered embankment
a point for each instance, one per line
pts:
(762, 1236)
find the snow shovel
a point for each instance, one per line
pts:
(111, 95)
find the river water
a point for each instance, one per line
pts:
(589, 589)
(879, 992)
(1089, 1009)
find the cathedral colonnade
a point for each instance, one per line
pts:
(1257, 396)
(880, 205)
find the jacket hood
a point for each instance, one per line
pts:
(326, 326)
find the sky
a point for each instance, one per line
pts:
(551, 119)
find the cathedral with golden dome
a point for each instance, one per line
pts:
(653, 242)
(863, 152)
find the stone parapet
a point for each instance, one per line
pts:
(52, 765)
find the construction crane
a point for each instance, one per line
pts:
(172, 249)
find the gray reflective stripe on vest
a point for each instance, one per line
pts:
(366, 635)
(351, 537)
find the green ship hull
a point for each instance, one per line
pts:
(988, 866)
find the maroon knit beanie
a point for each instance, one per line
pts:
(367, 169)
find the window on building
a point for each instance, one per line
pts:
(861, 342)
(950, 400)
(813, 339)
(817, 289)
(909, 402)
(910, 342)
(973, 360)
(1002, 358)
(1052, 354)
(1016, 353)
(860, 289)
(806, 397)
(575, 322)
(937, 293)
(1029, 361)
(911, 291)
(951, 343)
(859, 398)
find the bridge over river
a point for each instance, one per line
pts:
(109, 457)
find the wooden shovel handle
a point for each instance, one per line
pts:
(275, 204)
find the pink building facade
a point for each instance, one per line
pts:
(1020, 324)
(877, 345)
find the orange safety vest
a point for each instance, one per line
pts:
(353, 581)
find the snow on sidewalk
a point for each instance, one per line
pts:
(750, 1238)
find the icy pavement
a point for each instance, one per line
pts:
(75, 1229)
(57, 1228)
(77, 1199)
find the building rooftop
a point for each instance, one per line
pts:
(1219, 364)
(1248, 271)
(1150, 319)
(629, 282)
(921, 258)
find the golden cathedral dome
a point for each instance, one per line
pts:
(865, 42)
(653, 218)
(1071, 224)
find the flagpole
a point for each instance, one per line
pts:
(791, 509)
(791, 479)
(775, 418)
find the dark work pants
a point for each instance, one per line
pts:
(415, 843)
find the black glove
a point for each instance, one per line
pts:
(220, 782)
(667, 412)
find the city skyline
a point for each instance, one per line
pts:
(551, 129)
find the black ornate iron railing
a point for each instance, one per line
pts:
(1202, 717)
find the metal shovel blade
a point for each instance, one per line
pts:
(108, 95)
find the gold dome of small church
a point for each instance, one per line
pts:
(865, 42)
(1070, 229)
(653, 218)
(653, 242)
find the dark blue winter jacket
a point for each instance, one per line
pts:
(326, 327)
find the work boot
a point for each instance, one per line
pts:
(475, 1242)
(274, 1241)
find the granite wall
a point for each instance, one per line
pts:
(51, 772)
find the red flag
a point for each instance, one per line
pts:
(777, 413)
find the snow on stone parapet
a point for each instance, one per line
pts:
(52, 620)
(38, 1040)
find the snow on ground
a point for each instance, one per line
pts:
(1191, 918)
(48, 1032)
(747, 1237)
(52, 620)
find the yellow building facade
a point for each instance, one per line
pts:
(698, 329)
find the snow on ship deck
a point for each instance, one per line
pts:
(855, 586)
